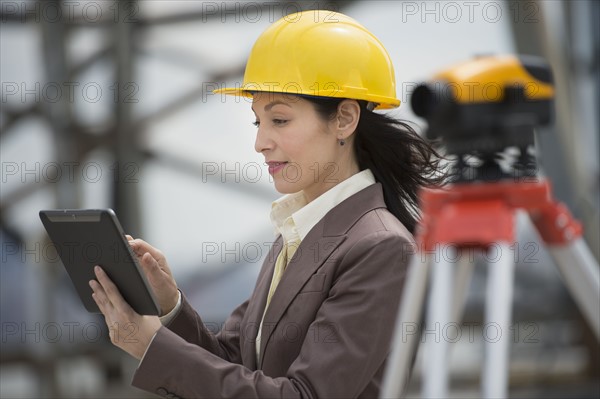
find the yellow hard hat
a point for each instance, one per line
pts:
(320, 53)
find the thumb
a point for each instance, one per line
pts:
(151, 268)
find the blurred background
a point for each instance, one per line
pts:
(110, 104)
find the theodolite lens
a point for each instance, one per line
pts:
(423, 101)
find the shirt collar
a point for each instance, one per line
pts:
(293, 217)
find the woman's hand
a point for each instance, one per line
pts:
(127, 329)
(157, 272)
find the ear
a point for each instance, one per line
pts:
(347, 117)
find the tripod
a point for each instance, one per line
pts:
(481, 215)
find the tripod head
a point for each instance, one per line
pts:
(482, 107)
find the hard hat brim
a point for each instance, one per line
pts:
(233, 91)
(382, 102)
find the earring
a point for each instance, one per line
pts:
(342, 141)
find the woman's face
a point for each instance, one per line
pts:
(302, 150)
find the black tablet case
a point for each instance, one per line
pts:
(89, 237)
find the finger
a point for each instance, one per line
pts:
(151, 268)
(141, 247)
(134, 245)
(129, 238)
(155, 267)
(99, 296)
(110, 289)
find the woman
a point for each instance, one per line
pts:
(320, 320)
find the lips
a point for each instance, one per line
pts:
(275, 166)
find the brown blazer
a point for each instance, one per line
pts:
(327, 332)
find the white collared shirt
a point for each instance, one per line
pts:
(293, 217)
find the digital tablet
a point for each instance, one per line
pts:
(85, 238)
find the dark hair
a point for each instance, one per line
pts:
(400, 159)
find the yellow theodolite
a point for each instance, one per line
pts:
(485, 105)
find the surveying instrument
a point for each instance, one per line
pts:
(480, 110)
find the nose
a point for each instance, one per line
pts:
(263, 141)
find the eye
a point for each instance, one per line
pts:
(279, 121)
(256, 123)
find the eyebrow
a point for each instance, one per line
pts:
(272, 104)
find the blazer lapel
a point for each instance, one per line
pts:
(313, 251)
(256, 306)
